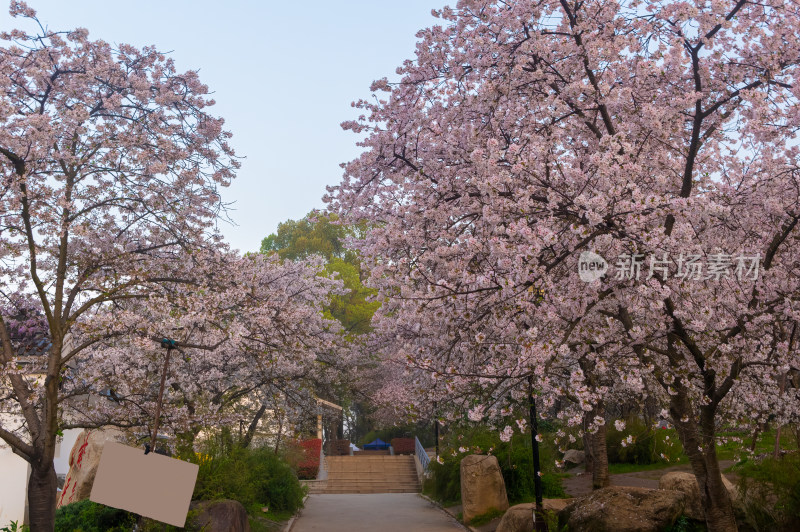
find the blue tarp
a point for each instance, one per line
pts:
(377, 445)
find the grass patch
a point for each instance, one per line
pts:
(733, 449)
(484, 518)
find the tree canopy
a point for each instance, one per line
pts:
(322, 234)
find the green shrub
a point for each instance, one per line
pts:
(480, 520)
(649, 445)
(771, 489)
(14, 526)
(516, 464)
(87, 516)
(254, 477)
(444, 482)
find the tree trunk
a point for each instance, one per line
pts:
(42, 488)
(280, 432)
(754, 442)
(600, 478)
(588, 451)
(245, 440)
(776, 451)
(699, 443)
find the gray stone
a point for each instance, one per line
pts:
(482, 486)
(687, 484)
(574, 456)
(220, 516)
(623, 509)
(519, 518)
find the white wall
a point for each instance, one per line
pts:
(13, 486)
(14, 477)
(63, 448)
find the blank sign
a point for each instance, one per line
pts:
(151, 485)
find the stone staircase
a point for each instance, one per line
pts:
(371, 474)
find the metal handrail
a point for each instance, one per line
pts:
(422, 455)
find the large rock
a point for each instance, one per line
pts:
(687, 484)
(623, 509)
(219, 516)
(482, 486)
(83, 461)
(574, 456)
(519, 518)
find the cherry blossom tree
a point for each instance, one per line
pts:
(660, 135)
(111, 168)
(256, 334)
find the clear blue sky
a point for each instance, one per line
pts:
(283, 74)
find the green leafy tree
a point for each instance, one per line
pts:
(319, 234)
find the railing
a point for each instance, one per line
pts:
(422, 454)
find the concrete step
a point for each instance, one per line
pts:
(371, 474)
(376, 471)
(372, 457)
(387, 490)
(375, 475)
(372, 484)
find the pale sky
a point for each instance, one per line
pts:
(283, 75)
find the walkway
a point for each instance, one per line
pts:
(387, 512)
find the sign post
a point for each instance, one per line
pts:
(169, 345)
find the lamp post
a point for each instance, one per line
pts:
(169, 345)
(538, 513)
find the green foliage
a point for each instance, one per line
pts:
(771, 489)
(684, 524)
(318, 234)
(254, 477)
(14, 526)
(516, 464)
(444, 482)
(649, 446)
(87, 516)
(480, 520)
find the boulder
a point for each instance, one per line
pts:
(687, 484)
(574, 456)
(219, 516)
(623, 509)
(482, 486)
(83, 461)
(519, 518)
(556, 505)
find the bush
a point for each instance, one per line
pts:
(649, 445)
(444, 482)
(308, 464)
(87, 516)
(254, 477)
(516, 464)
(771, 489)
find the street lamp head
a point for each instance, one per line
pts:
(167, 343)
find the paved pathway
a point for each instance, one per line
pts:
(386, 512)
